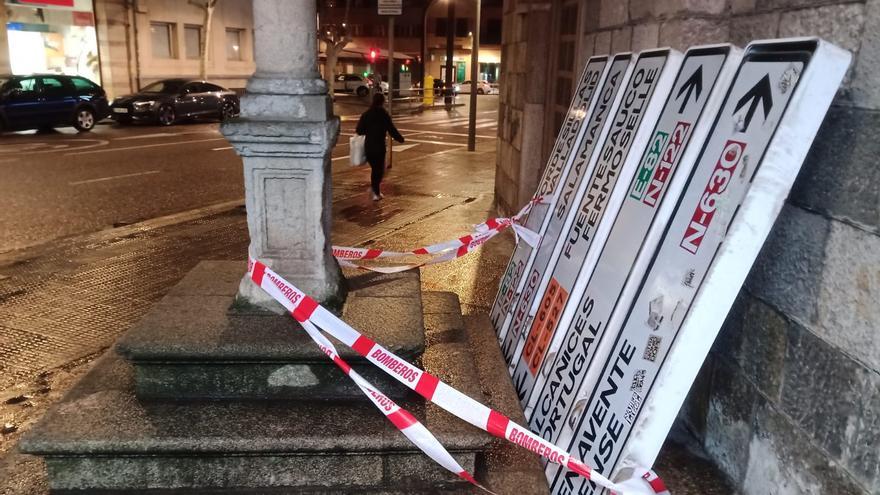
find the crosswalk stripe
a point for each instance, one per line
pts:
(464, 122)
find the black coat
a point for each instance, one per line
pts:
(374, 123)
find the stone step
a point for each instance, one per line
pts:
(102, 437)
(196, 343)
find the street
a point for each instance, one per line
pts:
(63, 183)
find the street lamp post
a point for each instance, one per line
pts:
(475, 72)
(425, 39)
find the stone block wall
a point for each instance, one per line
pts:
(789, 400)
(521, 121)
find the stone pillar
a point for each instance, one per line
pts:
(284, 137)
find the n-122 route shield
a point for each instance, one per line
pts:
(587, 328)
(557, 166)
(754, 109)
(577, 250)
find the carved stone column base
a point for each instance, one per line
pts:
(284, 141)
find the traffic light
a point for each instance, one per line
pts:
(374, 53)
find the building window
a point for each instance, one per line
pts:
(440, 27)
(192, 36)
(492, 35)
(233, 44)
(461, 26)
(162, 39)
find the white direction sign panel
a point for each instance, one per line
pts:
(665, 165)
(565, 180)
(390, 7)
(558, 165)
(617, 162)
(570, 236)
(759, 139)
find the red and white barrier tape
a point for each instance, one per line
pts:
(443, 251)
(402, 419)
(313, 316)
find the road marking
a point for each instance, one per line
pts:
(465, 122)
(438, 133)
(421, 140)
(102, 179)
(145, 136)
(404, 147)
(222, 148)
(110, 150)
(340, 158)
(487, 124)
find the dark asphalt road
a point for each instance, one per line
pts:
(63, 184)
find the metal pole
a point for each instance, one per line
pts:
(475, 72)
(390, 61)
(425, 42)
(450, 42)
(390, 82)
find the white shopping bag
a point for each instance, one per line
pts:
(356, 150)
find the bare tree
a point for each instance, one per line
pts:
(335, 37)
(207, 7)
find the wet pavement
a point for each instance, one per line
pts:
(65, 302)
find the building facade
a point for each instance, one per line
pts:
(788, 401)
(126, 44)
(421, 20)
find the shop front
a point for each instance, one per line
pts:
(52, 36)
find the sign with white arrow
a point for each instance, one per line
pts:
(745, 169)
(663, 169)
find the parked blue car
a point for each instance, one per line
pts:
(50, 100)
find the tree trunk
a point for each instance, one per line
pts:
(206, 38)
(330, 65)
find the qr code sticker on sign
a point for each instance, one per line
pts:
(638, 381)
(652, 348)
(632, 409)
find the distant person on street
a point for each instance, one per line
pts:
(374, 123)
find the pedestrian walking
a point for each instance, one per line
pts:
(374, 124)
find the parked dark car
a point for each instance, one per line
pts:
(167, 101)
(48, 100)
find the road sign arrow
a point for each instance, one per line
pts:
(759, 92)
(694, 83)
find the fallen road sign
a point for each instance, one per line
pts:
(594, 86)
(758, 142)
(617, 164)
(569, 189)
(652, 69)
(665, 165)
